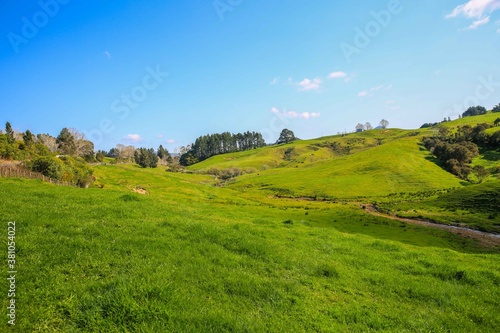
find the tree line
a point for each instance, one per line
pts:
(215, 144)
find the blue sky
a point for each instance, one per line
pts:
(165, 72)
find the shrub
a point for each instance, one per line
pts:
(494, 139)
(99, 157)
(249, 170)
(48, 166)
(230, 173)
(76, 171)
(214, 172)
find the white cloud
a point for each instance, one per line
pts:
(308, 84)
(134, 138)
(107, 54)
(475, 9)
(478, 23)
(160, 136)
(293, 114)
(337, 75)
(307, 115)
(274, 81)
(170, 141)
(371, 90)
(390, 102)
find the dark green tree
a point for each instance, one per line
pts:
(146, 158)
(28, 138)
(475, 111)
(496, 108)
(9, 133)
(163, 154)
(66, 142)
(497, 122)
(286, 136)
(214, 144)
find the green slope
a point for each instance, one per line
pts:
(476, 206)
(397, 166)
(189, 257)
(369, 164)
(473, 121)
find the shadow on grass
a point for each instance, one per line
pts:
(491, 155)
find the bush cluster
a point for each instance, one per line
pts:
(456, 150)
(65, 168)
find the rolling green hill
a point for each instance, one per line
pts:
(369, 164)
(147, 250)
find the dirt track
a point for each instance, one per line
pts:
(486, 239)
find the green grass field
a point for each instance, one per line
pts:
(260, 254)
(476, 206)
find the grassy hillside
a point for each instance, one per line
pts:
(369, 164)
(476, 206)
(151, 251)
(397, 166)
(188, 257)
(473, 121)
(301, 153)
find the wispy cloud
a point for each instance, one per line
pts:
(370, 91)
(341, 75)
(476, 9)
(133, 138)
(170, 141)
(478, 23)
(308, 84)
(293, 114)
(337, 75)
(107, 54)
